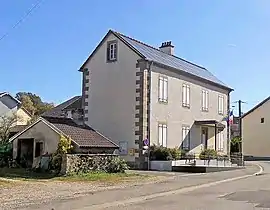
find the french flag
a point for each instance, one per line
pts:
(230, 118)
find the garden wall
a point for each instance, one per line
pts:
(74, 163)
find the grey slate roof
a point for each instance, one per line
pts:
(152, 54)
(57, 111)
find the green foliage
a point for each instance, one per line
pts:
(5, 154)
(6, 123)
(236, 143)
(164, 153)
(208, 154)
(116, 165)
(33, 103)
(64, 147)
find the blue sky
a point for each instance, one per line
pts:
(42, 55)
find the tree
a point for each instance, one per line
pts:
(33, 103)
(236, 144)
(6, 123)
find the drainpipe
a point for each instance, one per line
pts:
(149, 114)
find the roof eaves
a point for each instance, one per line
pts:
(192, 75)
(256, 107)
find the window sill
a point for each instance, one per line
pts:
(205, 110)
(221, 114)
(186, 106)
(111, 61)
(163, 102)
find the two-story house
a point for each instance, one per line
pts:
(10, 105)
(133, 91)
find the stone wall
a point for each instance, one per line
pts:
(74, 163)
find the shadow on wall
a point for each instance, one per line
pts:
(198, 138)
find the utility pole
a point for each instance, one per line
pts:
(240, 128)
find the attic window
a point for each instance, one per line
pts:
(262, 120)
(112, 51)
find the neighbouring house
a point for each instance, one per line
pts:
(133, 91)
(255, 127)
(42, 136)
(10, 105)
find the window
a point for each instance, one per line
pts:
(205, 100)
(220, 140)
(262, 120)
(162, 134)
(185, 138)
(163, 89)
(186, 95)
(39, 149)
(220, 104)
(112, 51)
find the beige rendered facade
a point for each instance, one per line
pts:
(122, 101)
(255, 128)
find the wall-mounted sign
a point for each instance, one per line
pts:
(123, 148)
(131, 152)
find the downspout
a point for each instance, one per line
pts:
(149, 113)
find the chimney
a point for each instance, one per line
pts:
(167, 47)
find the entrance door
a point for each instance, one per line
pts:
(204, 137)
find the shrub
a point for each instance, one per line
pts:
(163, 153)
(5, 155)
(208, 154)
(116, 165)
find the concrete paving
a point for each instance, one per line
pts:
(171, 193)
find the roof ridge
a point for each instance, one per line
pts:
(147, 45)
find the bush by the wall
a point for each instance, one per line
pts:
(164, 153)
(5, 155)
(208, 154)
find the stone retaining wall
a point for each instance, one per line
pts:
(74, 163)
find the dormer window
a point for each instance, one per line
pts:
(112, 51)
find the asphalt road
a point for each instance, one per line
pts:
(237, 189)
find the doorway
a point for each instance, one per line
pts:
(204, 137)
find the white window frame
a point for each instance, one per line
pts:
(162, 134)
(186, 95)
(185, 137)
(112, 51)
(220, 140)
(163, 89)
(220, 104)
(205, 100)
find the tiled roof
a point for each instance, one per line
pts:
(82, 135)
(153, 54)
(57, 111)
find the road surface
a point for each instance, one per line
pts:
(238, 189)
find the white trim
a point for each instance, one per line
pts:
(6, 93)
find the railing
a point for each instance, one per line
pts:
(210, 160)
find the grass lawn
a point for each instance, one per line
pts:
(27, 175)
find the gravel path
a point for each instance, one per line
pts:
(20, 194)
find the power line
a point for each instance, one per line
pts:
(22, 19)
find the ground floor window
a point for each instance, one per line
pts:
(185, 138)
(162, 134)
(220, 140)
(39, 149)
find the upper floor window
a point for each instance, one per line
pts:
(186, 95)
(162, 134)
(185, 138)
(205, 99)
(163, 89)
(220, 104)
(112, 51)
